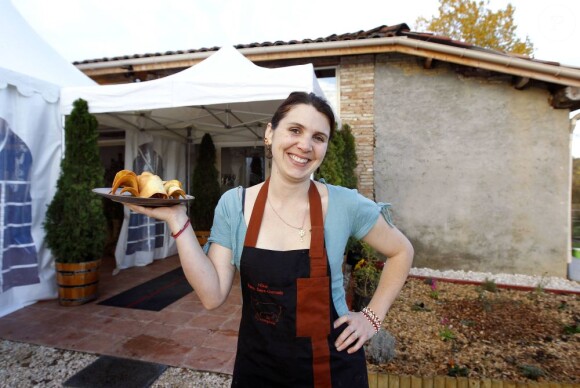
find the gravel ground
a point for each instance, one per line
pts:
(25, 365)
(545, 282)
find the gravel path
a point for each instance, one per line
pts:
(25, 365)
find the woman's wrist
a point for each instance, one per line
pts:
(178, 223)
(372, 318)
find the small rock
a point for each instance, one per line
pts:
(381, 348)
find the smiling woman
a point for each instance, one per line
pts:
(287, 237)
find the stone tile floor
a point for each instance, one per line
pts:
(183, 334)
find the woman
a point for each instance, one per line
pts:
(287, 238)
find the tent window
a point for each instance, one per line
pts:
(242, 166)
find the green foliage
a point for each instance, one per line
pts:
(367, 272)
(339, 163)
(473, 22)
(532, 372)
(455, 370)
(349, 159)
(75, 223)
(446, 334)
(420, 306)
(572, 329)
(205, 185)
(576, 181)
(331, 169)
(489, 285)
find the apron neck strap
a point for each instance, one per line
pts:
(256, 217)
(317, 252)
(318, 265)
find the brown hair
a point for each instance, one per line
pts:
(297, 98)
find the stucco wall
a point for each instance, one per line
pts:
(477, 171)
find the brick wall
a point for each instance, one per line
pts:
(357, 84)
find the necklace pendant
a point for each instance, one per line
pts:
(301, 233)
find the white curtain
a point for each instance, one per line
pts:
(30, 153)
(143, 239)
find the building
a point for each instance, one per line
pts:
(470, 145)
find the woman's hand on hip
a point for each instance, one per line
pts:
(355, 334)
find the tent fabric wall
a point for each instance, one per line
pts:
(143, 239)
(31, 76)
(29, 168)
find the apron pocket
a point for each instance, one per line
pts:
(313, 307)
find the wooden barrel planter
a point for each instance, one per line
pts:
(77, 282)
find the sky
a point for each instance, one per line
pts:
(91, 29)
(94, 29)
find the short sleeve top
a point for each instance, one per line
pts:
(349, 214)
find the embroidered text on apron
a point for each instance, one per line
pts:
(286, 337)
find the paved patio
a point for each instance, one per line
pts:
(183, 334)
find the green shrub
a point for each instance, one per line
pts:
(205, 185)
(75, 222)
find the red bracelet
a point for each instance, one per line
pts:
(182, 229)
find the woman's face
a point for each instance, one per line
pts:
(299, 143)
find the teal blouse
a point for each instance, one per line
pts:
(349, 214)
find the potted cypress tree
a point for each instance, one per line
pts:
(75, 223)
(206, 189)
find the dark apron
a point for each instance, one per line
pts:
(286, 337)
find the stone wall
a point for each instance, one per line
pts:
(477, 171)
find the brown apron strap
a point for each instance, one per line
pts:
(256, 217)
(318, 266)
(313, 294)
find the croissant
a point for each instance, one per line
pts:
(128, 180)
(147, 185)
(173, 189)
(151, 186)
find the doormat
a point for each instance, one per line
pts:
(113, 372)
(155, 294)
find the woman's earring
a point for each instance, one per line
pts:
(268, 149)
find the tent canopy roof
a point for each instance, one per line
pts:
(226, 95)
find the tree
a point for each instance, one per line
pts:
(349, 158)
(339, 163)
(474, 23)
(205, 185)
(331, 168)
(75, 222)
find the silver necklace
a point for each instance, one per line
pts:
(300, 230)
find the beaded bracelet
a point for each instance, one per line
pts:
(182, 229)
(372, 318)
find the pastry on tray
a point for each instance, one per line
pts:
(147, 185)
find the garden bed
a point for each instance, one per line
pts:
(484, 332)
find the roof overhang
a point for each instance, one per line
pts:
(482, 59)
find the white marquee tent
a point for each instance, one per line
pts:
(225, 95)
(31, 74)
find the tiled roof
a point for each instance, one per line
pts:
(400, 30)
